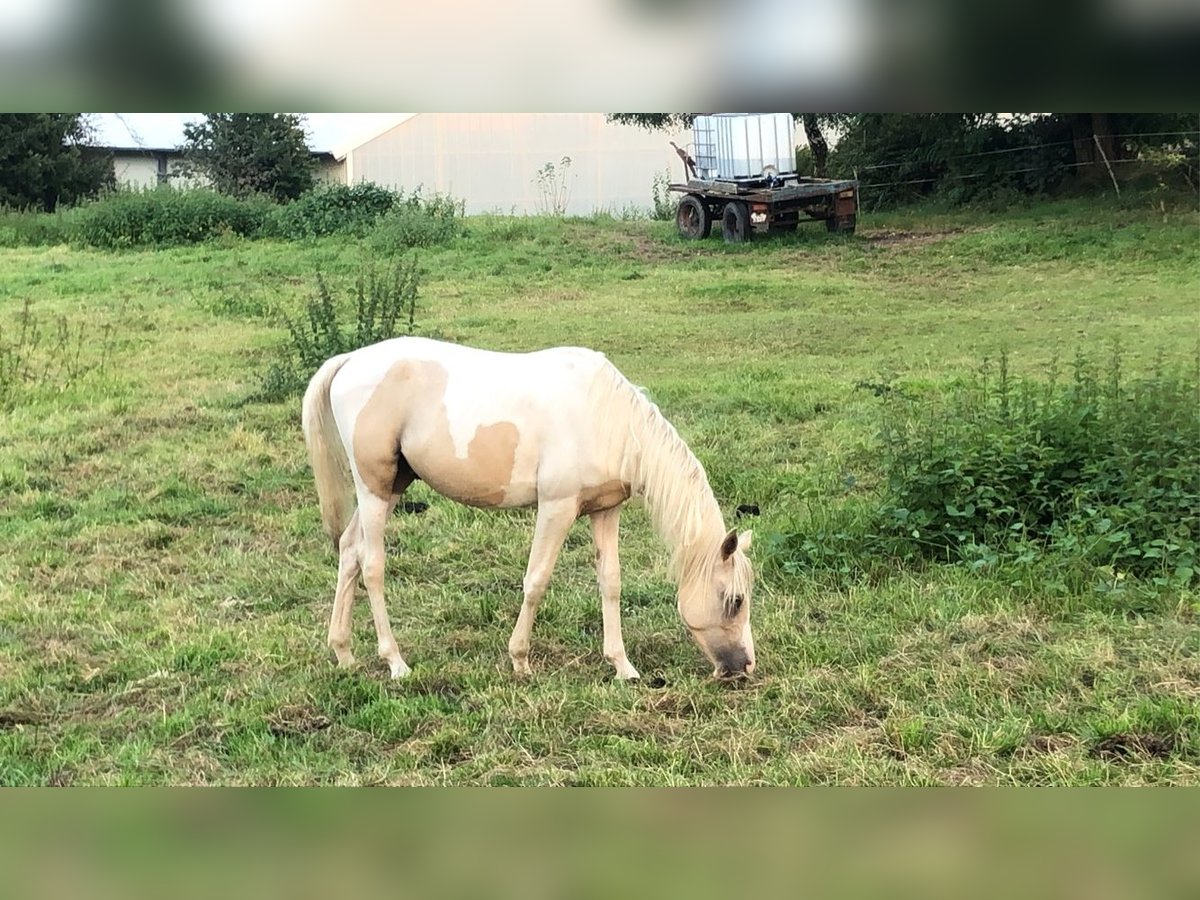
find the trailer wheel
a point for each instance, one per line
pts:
(692, 218)
(842, 224)
(735, 222)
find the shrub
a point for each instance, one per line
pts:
(1087, 484)
(1102, 468)
(384, 306)
(418, 222)
(165, 216)
(333, 209)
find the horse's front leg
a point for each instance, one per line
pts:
(554, 520)
(608, 575)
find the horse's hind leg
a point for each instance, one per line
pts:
(373, 512)
(349, 547)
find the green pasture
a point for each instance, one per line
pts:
(165, 583)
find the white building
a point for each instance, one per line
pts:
(147, 167)
(492, 160)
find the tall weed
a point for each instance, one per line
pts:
(32, 228)
(383, 306)
(38, 355)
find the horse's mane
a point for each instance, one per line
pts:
(659, 466)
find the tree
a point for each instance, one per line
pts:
(250, 153)
(45, 160)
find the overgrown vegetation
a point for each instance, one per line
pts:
(1075, 486)
(163, 217)
(383, 304)
(664, 201)
(334, 209)
(961, 158)
(1101, 469)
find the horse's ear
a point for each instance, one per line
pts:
(729, 545)
(744, 541)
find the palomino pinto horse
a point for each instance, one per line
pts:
(559, 428)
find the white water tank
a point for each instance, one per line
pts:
(730, 146)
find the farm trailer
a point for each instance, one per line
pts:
(745, 208)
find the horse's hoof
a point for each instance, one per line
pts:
(399, 669)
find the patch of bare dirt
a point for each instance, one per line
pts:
(913, 238)
(14, 718)
(1126, 747)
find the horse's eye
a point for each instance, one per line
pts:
(734, 604)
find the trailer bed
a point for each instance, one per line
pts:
(748, 207)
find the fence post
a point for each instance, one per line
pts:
(1107, 165)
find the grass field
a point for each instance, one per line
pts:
(165, 584)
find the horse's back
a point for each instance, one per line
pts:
(477, 425)
(370, 364)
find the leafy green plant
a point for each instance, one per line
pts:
(384, 306)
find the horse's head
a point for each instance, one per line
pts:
(714, 602)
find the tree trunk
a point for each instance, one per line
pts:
(816, 141)
(1086, 130)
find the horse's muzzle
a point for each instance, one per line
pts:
(733, 664)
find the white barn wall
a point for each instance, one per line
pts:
(136, 171)
(491, 160)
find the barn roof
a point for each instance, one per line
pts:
(342, 151)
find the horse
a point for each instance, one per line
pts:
(559, 428)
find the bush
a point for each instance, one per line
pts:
(418, 222)
(384, 306)
(333, 209)
(1103, 469)
(165, 216)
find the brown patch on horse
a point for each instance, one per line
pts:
(603, 496)
(483, 476)
(387, 468)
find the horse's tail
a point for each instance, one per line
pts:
(326, 452)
